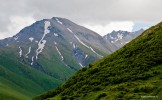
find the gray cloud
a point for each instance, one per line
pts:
(100, 12)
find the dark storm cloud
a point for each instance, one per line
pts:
(82, 11)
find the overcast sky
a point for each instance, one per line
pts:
(102, 16)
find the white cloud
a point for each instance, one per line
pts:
(117, 25)
(16, 24)
(99, 12)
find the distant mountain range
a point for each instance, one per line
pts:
(44, 55)
(120, 38)
(133, 72)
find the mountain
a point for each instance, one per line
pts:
(133, 72)
(120, 38)
(44, 55)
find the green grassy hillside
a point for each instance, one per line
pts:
(20, 81)
(133, 72)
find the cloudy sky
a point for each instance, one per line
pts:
(102, 16)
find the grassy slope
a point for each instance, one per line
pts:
(58, 69)
(10, 91)
(21, 81)
(131, 72)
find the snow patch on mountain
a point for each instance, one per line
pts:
(120, 36)
(81, 41)
(74, 45)
(112, 41)
(42, 42)
(55, 34)
(78, 38)
(28, 52)
(40, 48)
(95, 52)
(20, 52)
(55, 42)
(16, 37)
(87, 46)
(127, 42)
(86, 56)
(58, 21)
(110, 37)
(70, 30)
(31, 39)
(62, 58)
(32, 60)
(84, 43)
(81, 65)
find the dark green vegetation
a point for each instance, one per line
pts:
(133, 72)
(20, 81)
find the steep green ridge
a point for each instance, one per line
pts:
(133, 72)
(20, 81)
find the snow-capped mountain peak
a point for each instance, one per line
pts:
(51, 43)
(120, 38)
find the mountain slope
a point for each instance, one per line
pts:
(20, 81)
(120, 38)
(44, 55)
(133, 72)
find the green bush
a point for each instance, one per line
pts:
(101, 96)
